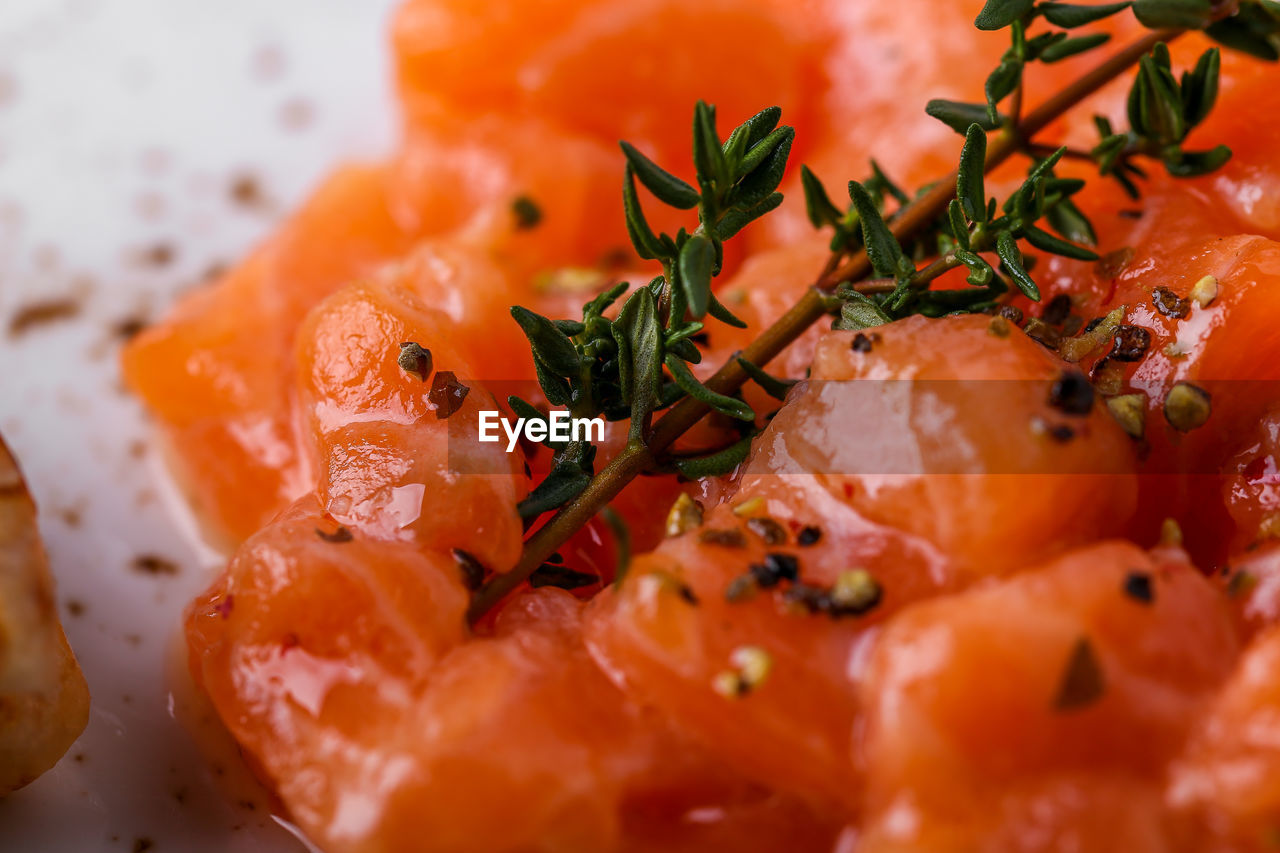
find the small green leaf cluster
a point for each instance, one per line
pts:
(1162, 111)
(974, 224)
(822, 212)
(1047, 47)
(737, 184)
(638, 363)
(1254, 29)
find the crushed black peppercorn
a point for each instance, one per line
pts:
(1112, 264)
(1012, 314)
(726, 538)
(447, 394)
(527, 213)
(776, 568)
(861, 343)
(1137, 585)
(1108, 376)
(854, 593)
(1071, 393)
(813, 599)
(1131, 343)
(337, 537)
(1042, 333)
(1060, 433)
(769, 531)
(415, 360)
(808, 535)
(1082, 680)
(1057, 310)
(1169, 303)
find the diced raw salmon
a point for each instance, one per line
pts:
(1091, 667)
(397, 454)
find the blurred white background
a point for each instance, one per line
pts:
(144, 143)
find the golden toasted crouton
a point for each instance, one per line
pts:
(44, 701)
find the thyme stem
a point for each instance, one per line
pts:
(638, 457)
(920, 280)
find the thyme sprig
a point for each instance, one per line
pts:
(1162, 111)
(970, 227)
(929, 215)
(614, 368)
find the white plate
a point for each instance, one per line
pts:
(124, 125)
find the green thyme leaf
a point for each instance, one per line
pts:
(1067, 219)
(1188, 164)
(1046, 242)
(570, 473)
(880, 181)
(817, 204)
(737, 219)
(697, 259)
(674, 336)
(735, 148)
(715, 464)
(882, 247)
(597, 306)
(689, 383)
(556, 388)
(549, 344)
(708, 154)
(665, 186)
(1250, 31)
(771, 385)
(646, 243)
(958, 115)
(762, 124)
(1173, 14)
(1200, 87)
(1000, 84)
(980, 272)
(1155, 104)
(570, 327)
(723, 314)
(861, 312)
(762, 149)
(970, 187)
(765, 174)
(526, 410)
(1072, 15)
(1007, 249)
(998, 14)
(1073, 46)
(686, 350)
(639, 340)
